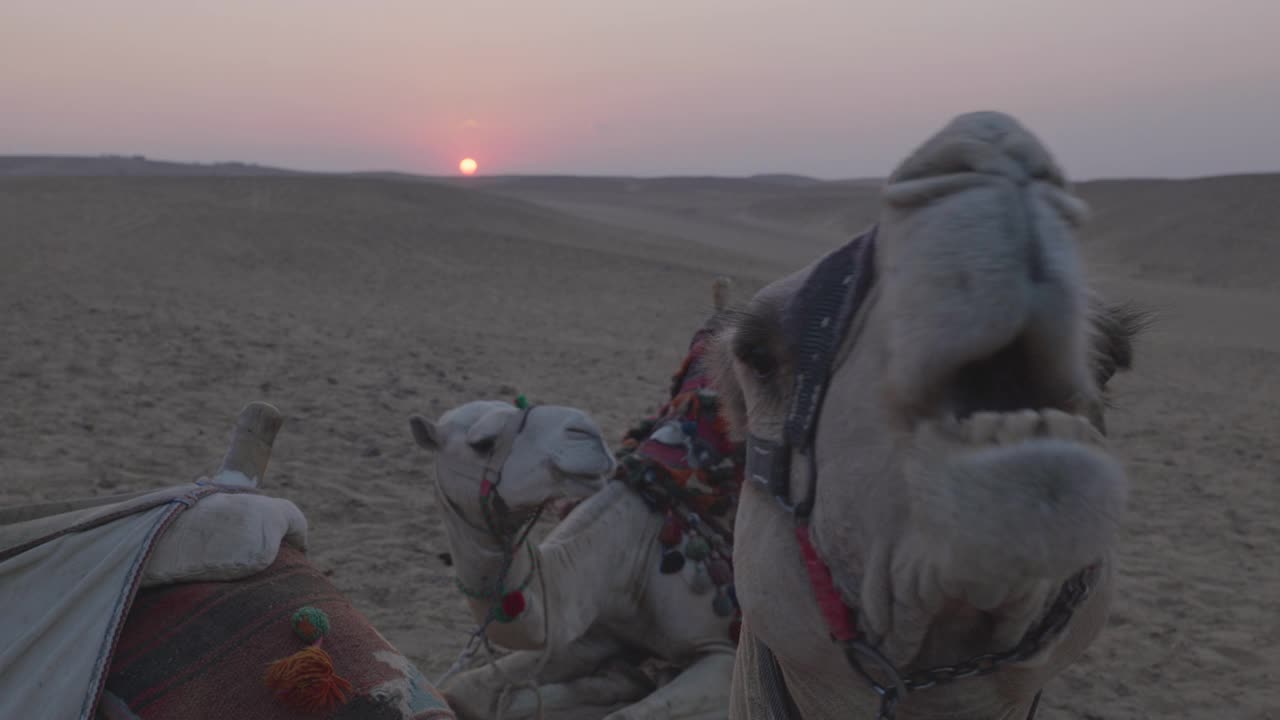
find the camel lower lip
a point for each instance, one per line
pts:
(1029, 486)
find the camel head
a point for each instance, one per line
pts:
(533, 456)
(962, 475)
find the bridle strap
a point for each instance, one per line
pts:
(489, 495)
(504, 444)
(814, 321)
(769, 465)
(496, 514)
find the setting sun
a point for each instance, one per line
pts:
(468, 166)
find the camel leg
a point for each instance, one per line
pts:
(698, 693)
(570, 679)
(591, 696)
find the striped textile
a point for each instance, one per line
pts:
(193, 651)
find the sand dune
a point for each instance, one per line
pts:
(1219, 232)
(781, 220)
(140, 313)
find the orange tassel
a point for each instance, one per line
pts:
(307, 681)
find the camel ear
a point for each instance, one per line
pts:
(426, 433)
(486, 430)
(1114, 329)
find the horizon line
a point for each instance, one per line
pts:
(282, 170)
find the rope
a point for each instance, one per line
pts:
(468, 651)
(531, 682)
(479, 638)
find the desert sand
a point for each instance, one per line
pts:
(139, 313)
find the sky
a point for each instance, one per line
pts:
(830, 89)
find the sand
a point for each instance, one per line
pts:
(138, 314)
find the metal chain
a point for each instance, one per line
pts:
(1074, 592)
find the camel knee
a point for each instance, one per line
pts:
(699, 692)
(469, 694)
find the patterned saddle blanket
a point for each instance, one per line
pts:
(173, 604)
(684, 465)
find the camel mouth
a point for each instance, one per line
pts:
(1010, 380)
(1011, 396)
(986, 429)
(578, 485)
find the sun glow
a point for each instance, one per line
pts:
(468, 166)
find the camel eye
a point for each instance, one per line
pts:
(760, 360)
(755, 344)
(483, 447)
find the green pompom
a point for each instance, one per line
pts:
(522, 402)
(310, 623)
(696, 548)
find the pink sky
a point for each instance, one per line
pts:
(832, 89)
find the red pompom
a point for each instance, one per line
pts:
(513, 604)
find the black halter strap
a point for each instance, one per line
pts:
(814, 322)
(494, 508)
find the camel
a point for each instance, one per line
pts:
(928, 525)
(617, 581)
(173, 602)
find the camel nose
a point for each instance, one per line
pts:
(989, 143)
(584, 452)
(979, 261)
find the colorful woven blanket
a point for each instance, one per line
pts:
(682, 462)
(200, 650)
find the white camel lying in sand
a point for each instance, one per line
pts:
(928, 484)
(611, 581)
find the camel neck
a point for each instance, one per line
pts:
(478, 556)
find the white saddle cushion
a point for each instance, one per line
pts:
(224, 537)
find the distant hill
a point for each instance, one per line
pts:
(785, 179)
(126, 165)
(1218, 231)
(298, 231)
